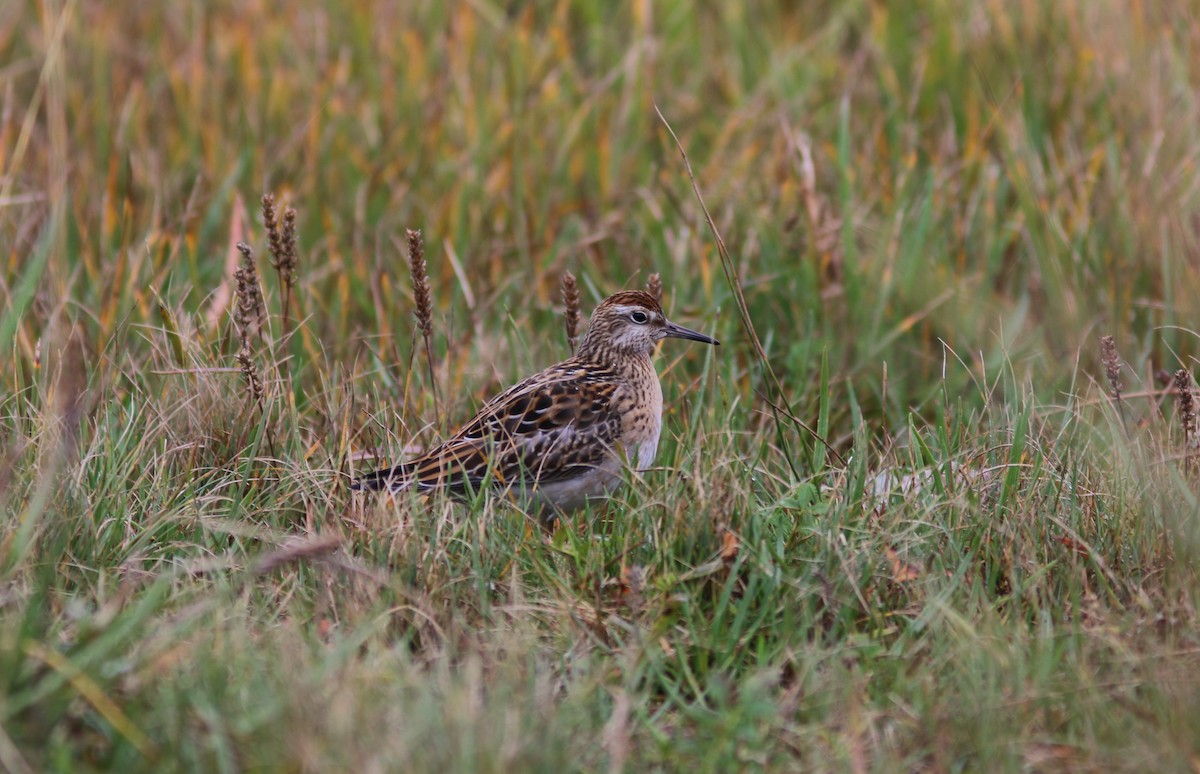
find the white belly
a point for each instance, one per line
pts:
(643, 454)
(574, 493)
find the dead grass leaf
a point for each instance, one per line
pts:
(1074, 545)
(633, 582)
(1043, 756)
(730, 546)
(296, 551)
(224, 292)
(902, 571)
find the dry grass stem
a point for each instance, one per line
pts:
(823, 226)
(297, 551)
(570, 295)
(780, 399)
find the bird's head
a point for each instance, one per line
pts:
(632, 323)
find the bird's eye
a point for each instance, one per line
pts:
(638, 317)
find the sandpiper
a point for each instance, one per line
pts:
(561, 437)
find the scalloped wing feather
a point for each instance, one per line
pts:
(550, 427)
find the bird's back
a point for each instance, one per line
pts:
(553, 426)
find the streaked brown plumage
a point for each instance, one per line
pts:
(559, 438)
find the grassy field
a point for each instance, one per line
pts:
(933, 210)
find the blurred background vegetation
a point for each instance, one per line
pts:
(934, 209)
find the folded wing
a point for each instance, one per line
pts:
(548, 428)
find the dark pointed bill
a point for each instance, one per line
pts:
(679, 332)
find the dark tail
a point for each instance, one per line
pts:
(393, 479)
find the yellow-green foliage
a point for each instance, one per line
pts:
(933, 210)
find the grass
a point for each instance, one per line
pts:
(933, 211)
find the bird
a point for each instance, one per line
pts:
(560, 438)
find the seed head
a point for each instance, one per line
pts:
(250, 308)
(254, 383)
(570, 294)
(420, 282)
(274, 238)
(1187, 404)
(654, 287)
(1112, 364)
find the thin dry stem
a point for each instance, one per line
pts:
(297, 551)
(735, 284)
(570, 294)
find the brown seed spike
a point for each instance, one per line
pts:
(1187, 406)
(248, 314)
(289, 259)
(250, 308)
(274, 240)
(1112, 364)
(654, 287)
(570, 294)
(254, 384)
(420, 282)
(287, 265)
(423, 298)
(1112, 370)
